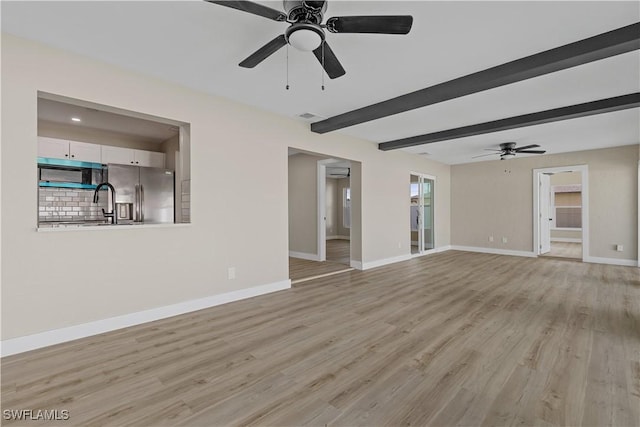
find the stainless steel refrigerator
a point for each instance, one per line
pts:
(143, 195)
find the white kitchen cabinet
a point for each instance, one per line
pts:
(118, 155)
(129, 156)
(70, 150)
(150, 159)
(85, 152)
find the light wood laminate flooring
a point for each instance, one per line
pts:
(565, 250)
(302, 269)
(338, 260)
(339, 250)
(452, 338)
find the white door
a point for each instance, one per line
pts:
(545, 213)
(422, 210)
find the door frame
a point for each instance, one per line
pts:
(584, 172)
(421, 250)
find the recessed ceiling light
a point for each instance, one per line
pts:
(76, 119)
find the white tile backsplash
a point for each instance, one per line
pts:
(62, 204)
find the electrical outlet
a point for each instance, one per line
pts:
(619, 248)
(504, 240)
(399, 245)
(491, 238)
(231, 274)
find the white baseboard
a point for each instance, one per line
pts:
(338, 237)
(432, 251)
(356, 264)
(612, 261)
(400, 258)
(566, 239)
(304, 255)
(386, 261)
(57, 336)
(493, 251)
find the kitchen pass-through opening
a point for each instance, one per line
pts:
(145, 159)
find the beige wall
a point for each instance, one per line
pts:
(566, 178)
(303, 203)
(331, 205)
(171, 148)
(238, 190)
(94, 136)
(496, 198)
(566, 234)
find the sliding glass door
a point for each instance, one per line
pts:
(422, 213)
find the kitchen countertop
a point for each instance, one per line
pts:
(81, 226)
(84, 223)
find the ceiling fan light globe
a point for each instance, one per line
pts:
(305, 40)
(506, 156)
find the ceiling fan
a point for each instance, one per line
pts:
(339, 172)
(306, 30)
(508, 150)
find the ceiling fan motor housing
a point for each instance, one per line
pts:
(305, 11)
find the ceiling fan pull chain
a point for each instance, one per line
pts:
(287, 87)
(322, 70)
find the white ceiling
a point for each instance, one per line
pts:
(199, 45)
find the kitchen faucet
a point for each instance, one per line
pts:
(96, 195)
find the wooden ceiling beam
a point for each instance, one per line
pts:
(594, 48)
(601, 106)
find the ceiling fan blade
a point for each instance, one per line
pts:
(484, 155)
(398, 24)
(331, 64)
(254, 8)
(493, 149)
(526, 147)
(531, 151)
(264, 52)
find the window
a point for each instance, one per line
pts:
(346, 207)
(567, 210)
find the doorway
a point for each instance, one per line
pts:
(338, 212)
(324, 215)
(561, 212)
(421, 213)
